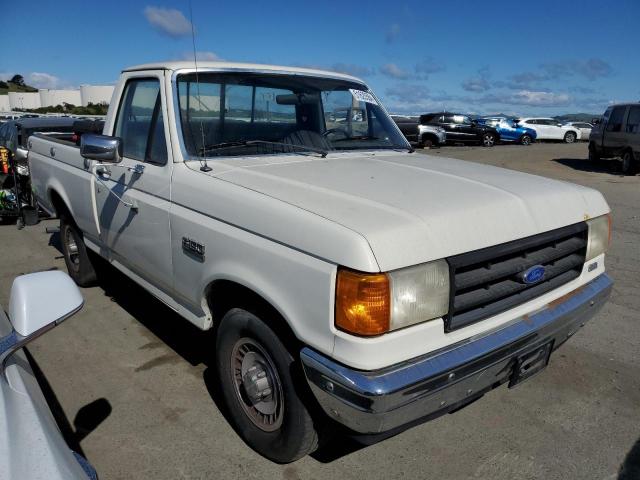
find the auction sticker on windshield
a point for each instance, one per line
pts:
(363, 96)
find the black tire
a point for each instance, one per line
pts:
(276, 423)
(75, 254)
(427, 143)
(628, 163)
(525, 139)
(594, 156)
(488, 139)
(570, 137)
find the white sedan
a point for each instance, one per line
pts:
(31, 445)
(550, 129)
(584, 127)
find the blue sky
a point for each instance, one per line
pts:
(537, 57)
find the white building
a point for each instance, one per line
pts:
(20, 100)
(5, 106)
(51, 98)
(95, 94)
(45, 97)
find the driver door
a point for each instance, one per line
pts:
(132, 198)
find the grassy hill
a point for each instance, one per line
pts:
(6, 87)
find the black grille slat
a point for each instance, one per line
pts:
(478, 314)
(508, 287)
(485, 282)
(518, 264)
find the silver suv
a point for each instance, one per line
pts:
(617, 134)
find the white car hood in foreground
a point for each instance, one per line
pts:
(31, 445)
(412, 208)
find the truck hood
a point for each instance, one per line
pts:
(413, 208)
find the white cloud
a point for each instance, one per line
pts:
(168, 21)
(42, 80)
(202, 56)
(539, 99)
(394, 71)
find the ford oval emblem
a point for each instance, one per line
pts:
(532, 275)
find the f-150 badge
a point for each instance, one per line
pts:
(193, 248)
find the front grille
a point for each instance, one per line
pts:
(484, 282)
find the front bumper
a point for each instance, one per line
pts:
(372, 402)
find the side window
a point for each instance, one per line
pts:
(633, 122)
(532, 122)
(615, 121)
(157, 150)
(139, 122)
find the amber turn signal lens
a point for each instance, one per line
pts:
(362, 303)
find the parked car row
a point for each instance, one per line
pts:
(434, 129)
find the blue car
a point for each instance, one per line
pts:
(509, 130)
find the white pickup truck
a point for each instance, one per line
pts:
(346, 276)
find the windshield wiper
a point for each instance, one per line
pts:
(245, 143)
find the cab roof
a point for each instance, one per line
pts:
(241, 67)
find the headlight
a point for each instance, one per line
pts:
(373, 304)
(599, 236)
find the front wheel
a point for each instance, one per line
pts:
(257, 374)
(76, 256)
(569, 137)
(525, 140)
(628, 167)
(488, 140)
(427, 143)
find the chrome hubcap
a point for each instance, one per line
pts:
(72, 248)
(488, 140)
(257, 383)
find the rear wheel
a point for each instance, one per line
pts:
(594, 156)
(628, 163)
(525, 139)
(569, 137)
(257, 374)
(488, 140)
(76, 256)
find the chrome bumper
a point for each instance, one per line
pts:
(371, 402)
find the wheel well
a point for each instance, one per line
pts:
(224, 295)
(429, 136)
(58, 204)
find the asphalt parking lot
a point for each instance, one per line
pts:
(129, 361)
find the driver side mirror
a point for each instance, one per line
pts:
(38, 302)
(104, 148)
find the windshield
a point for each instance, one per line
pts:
(321, 113)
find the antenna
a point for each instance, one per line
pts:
(203, 163)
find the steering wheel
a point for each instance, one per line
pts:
(341, 130)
